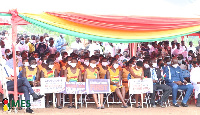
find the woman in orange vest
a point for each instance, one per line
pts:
(103, 68)
(137, 72)
(50, 72)
(114, 74)
(125, 74)
(84, 66)
(92, 73)
(73, 74)
(63, 68)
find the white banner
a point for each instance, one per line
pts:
(53, 85)
(40, 103)
(138, 86)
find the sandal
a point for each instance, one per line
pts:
(102, 107)
(98, 107)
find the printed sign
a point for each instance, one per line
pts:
(53, 85)
(40, 103)
(75, 88)
(94, 86)
(138, 86)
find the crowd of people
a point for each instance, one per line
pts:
(46, 57)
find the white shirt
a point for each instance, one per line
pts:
(94, 47)
(77, 46)
(52, 50)
(109, 49)
(191, 48)
(21, 48)
(8, 72)
(194, 75)
(176, 52)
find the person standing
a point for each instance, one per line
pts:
(155, 73)
(41, 47)
(61, 43)
(176, 81)
(191, 47)
(52, 48)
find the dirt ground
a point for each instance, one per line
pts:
(114, 110)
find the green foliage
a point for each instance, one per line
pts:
(35, 30)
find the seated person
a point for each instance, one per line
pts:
(114, 74)
(23, 86)
(155, 74)
(195, 80)
(175, 80)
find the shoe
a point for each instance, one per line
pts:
(75, 107)
(37, 97)
(184, 104)
(154, 106)
(29, 110)
(70, 106)
(47, 106)
(98, 107)
(59, 107)
(198, 105)
(176, 105)
(102, 107)
(124, 106)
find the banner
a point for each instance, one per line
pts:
(138, 86)
(75, 88)
(94, 86)
(40, 103)
(53, 85)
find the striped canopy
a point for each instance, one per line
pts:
(115, 29)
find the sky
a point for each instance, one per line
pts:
(163, 8)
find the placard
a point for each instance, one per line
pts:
(53, 85)
(40, 103)
(138, 86)
(75, 88)
(94, 86)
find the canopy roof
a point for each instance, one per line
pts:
(5, 19)
(110, 28)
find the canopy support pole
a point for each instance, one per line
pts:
(14, 36)
(133, 49)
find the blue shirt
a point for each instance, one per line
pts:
(176, 74)
(59, 43)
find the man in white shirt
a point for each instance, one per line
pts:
(110, 49)
(22, 46)
(195, 80)
(191, 47)
(77, 45)
(94, 46)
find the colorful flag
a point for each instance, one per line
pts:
(50, 74)
(30, 78)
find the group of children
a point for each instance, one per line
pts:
(78, 70)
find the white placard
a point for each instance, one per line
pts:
(40, 103)
(53, 85)
(138, 86)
